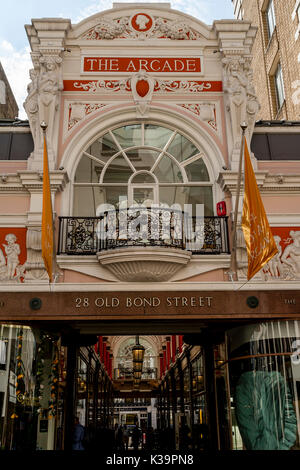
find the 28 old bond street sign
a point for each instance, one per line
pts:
(17, 306)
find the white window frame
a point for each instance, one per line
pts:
(156, 185)
(296, 13)
(279, 86)
(271, 19)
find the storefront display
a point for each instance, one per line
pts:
(264, 369)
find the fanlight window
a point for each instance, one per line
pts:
(124, 356)
(141, 164)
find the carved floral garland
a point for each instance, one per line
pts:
(187, 86)
(88, 109)
(121, 28)
(196, 109)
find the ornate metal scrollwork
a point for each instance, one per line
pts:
(142, 226)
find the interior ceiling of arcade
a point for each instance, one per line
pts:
(161, 351)
(123, 368)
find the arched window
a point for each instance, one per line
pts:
(141, 164)
(123, 360)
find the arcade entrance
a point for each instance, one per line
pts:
(229, 387)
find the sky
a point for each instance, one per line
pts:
(14, 46)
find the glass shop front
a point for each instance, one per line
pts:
(240, 393)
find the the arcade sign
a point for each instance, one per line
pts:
(148, 64)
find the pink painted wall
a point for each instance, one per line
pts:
(213, 276)
(282, 204)
(12, 166)
(72, 276)
(13, 204)
(284, 168)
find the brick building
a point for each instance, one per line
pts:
(276, 55)
(8, 105)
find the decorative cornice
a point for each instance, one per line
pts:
(13, 220)
(24, 181)
(267, 183)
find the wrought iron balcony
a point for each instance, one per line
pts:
(143, 227)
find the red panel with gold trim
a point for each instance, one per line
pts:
(184, 86)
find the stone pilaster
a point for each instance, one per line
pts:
(47, 38)
(235, 42)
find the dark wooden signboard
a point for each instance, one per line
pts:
(56, 306)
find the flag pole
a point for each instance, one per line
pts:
(233, 260)
(47, 212)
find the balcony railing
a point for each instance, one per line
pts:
(142, 226)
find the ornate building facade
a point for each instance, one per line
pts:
(143, 106)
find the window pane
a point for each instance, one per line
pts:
(118, 171)
(172, 195)
(182, 148)
(143, 196)
(86, 200)
(167, 171)
(279, 86)
(201, 195)
(157, 136)
(142, 159)
(88, 171)
(103, 148)
(188, 195)
(114, 196)
(271, 18)
(129, 136)
(197, 171)
(143, 178)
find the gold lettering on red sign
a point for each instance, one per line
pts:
(135, 64)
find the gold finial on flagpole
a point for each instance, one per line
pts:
(44, 126)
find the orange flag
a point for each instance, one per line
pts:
(260, 243)
(47, 218)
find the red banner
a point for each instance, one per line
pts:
(135, 64)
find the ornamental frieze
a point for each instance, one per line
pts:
(141, 26)
(12, 254)
(205, 111)
(285, 265)
(78, 111)
(161, 86)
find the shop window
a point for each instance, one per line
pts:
(264, 383)
(141, 164)
(31, 380)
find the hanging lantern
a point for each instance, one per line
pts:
(137, 366)
(138, 352)
(136, 382)
(137, 375)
